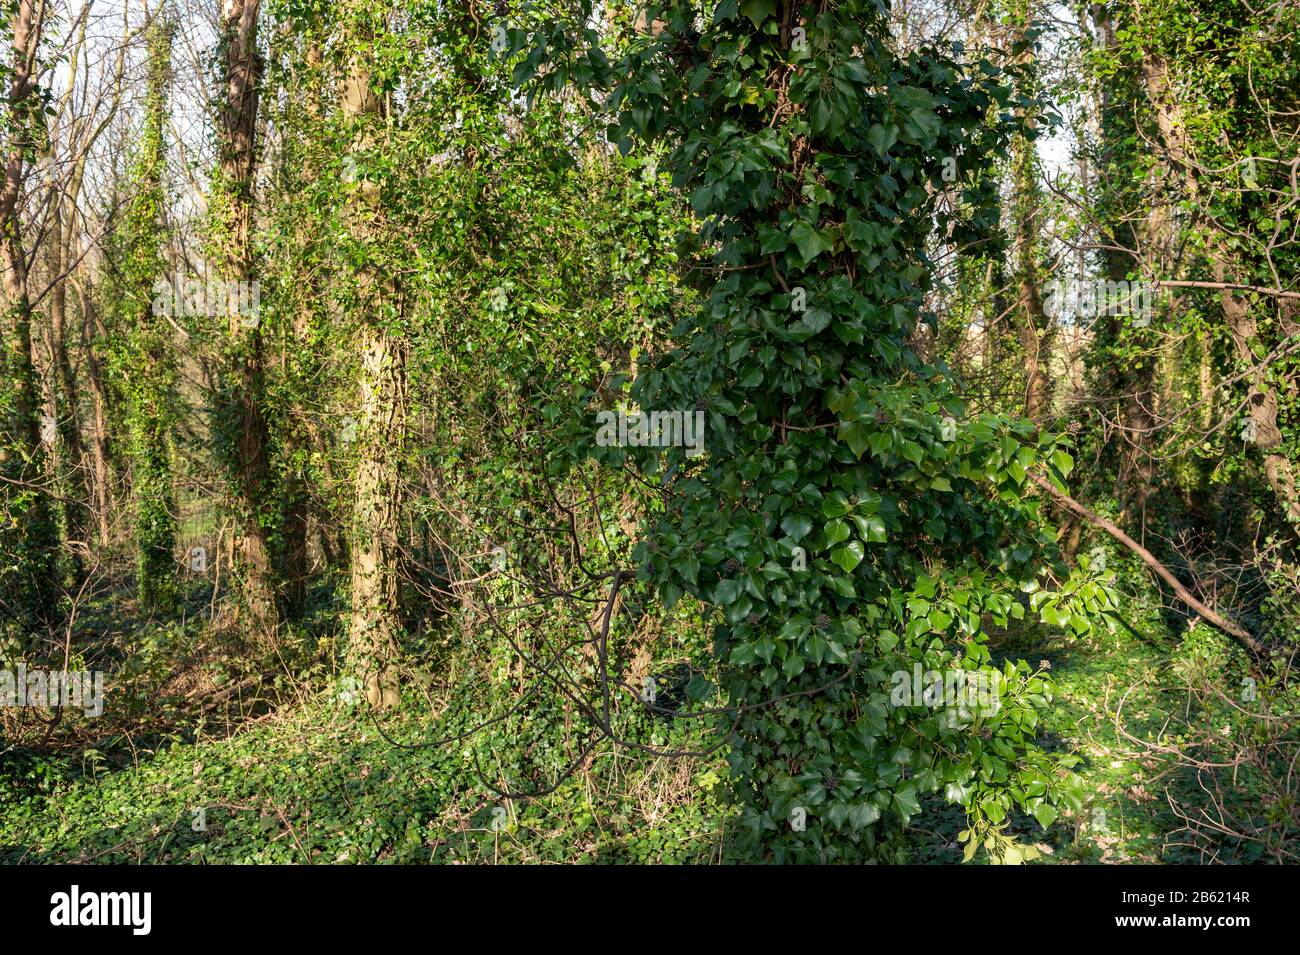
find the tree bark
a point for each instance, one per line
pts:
(1134, 382)
(295, 496)
(1035, 325)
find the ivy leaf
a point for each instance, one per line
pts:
(836, 531)
(835, 504)
(817, 647)
(856, 436)
(1063, 461)
(792, 666)
(923, 124)
(863, 815)
(906, 803)
(797, 526)
(816, 320)
(690, 570)
(773, 240)
(758, 10)
(810, 242)
(726, 593)
(882, 137)
(848, 556)
(871, 528)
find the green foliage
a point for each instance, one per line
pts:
(740, 210)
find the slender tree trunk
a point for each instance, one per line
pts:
(76, 483)
(1133, 382)
(101, 462)
(1035, 324)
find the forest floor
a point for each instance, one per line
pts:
(318, 780)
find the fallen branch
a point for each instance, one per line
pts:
(1241, 635)
(220, 696)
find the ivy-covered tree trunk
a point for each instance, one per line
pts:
(28, 532)
(299, 171)
(1035, 326)
(376, 623)
(151, 373)
(848, 522)
(243, 426)
(1035, 323)
(1126, 372)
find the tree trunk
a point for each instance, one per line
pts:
(295, 496)
(376, 617)
(1133, 381)
(27, 526)
(1261, 400)
(101, 467)
(1035, 325)
(75, 482)
(248, 454)
(152, 384)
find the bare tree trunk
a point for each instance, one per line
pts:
(101, 467)
(249, 457)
